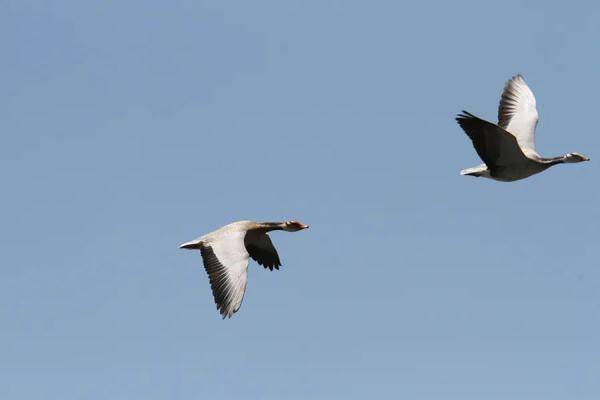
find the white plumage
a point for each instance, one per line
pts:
(508, 149)
(225, 253)
(518, 114)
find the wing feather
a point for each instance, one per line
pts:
(261, 249)
(226, 263)
(495, 146)
(517, 113)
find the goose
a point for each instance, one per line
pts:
(225, 254)
(508, 149)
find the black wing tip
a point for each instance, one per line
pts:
(270, 266)
(464, 115)
(224, 311)
(268, 263)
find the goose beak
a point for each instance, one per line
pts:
(586, 159)
(304, 226)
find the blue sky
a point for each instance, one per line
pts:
(130, 127)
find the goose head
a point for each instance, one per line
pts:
(575, 158)
(293, 226)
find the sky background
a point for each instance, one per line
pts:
(129, 127)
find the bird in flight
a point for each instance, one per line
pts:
(508, 149)
(225, 254)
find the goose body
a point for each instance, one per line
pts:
(508, 148)
(225, 254)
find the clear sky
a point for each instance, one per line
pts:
(129, 127)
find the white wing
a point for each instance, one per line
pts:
(517, 113)
(226, 263)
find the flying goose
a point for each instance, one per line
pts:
(225, 254)
(508, 149)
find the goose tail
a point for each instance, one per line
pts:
(193, 245)
(478, 171)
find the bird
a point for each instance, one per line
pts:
(508, 149)
(225, 253)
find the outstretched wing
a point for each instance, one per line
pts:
(226, 263)
(495, 146)
(261, 250)
(518, 114)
